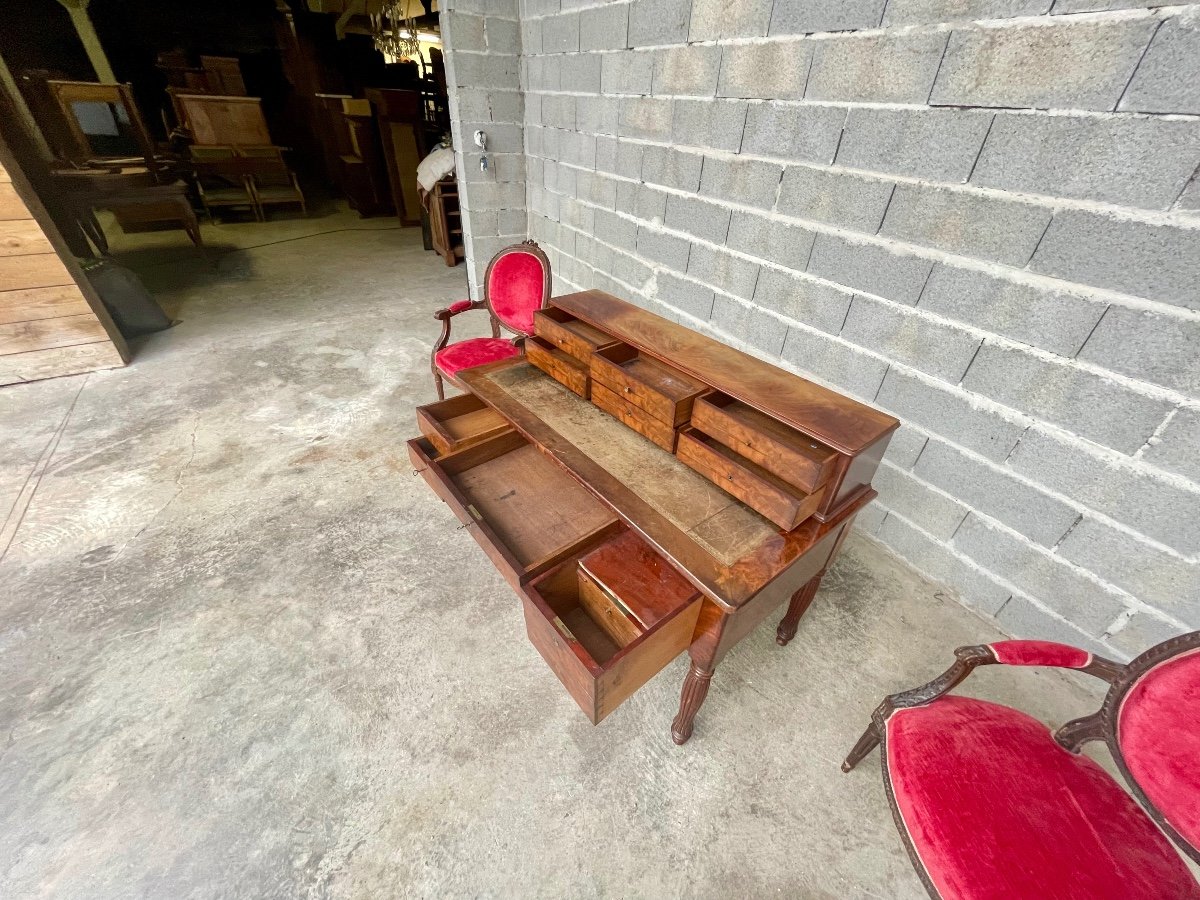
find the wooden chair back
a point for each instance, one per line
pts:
(516, 285)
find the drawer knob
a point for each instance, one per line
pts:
(629, 390)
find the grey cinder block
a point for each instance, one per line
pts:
(747, 181)
(1024, 618)
(928, 509)
(870, 517)
(850, 201)
(716, 124)
(1168, 78)
(1135, 162)
(558, 111)
(749, 324)
(581, 72)
(1175, 448)
(949, 412)
(1045, 316)
(1156, 347)
(717, 19)
(886, 271)
(784, 245)
(627, 72)
(1067, 64)
(704, 220)
(826, 15)
(487, 71)
(932, 12)
(1160, 509)
(975, 588)
(598, 115)
(906, 445)
(503, 35)
(464, 32)
(802, 300)
(970, 224)
(777, 70)
(834, 363)
(663, 248)
(560, 33)
(643, 201)
(604, 27)
(531, 37)
(935, 144)
(901, 334)
(995, 493)
(1080, 401)
(877, 68)
(1142, 631)
(1154, 576)
(646, 117)
(687, 296)
(615, 230)
(801, 133)
(726, 272)
(673, 168)
(1158, 262)
(653, 22)
(1054, 581)
(689, 70)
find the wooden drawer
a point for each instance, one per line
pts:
(595, 645)
(524, 510)
(564, 369)
(782, 503)
(633, 417)
(459, 422)
(781, 450)
(663, 392)
(570, 335)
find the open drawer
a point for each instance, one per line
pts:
(524, 510)
(610, 619)
(563, 368)
(459, 422)
(661, 391)
(571, 335)
(784, 504)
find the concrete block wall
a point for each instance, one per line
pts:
(980, 215)
(482, 42)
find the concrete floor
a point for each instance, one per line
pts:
(245, 653)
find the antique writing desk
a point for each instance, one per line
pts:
(647, 490)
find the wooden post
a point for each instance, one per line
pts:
(78, 10)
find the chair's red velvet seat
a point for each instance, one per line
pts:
(474, 352)
(996, 809)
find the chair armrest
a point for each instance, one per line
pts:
(1043, 653)
(459, 307)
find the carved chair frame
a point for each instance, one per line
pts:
(1098, 726)
(445, 315)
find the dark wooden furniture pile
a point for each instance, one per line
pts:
(647, 490)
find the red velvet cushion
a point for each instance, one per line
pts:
(997, 810)
(475, 352)
(1040, 653)
(515, 290)
(459, 306)
(1158, 729)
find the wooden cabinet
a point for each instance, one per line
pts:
(648, 491)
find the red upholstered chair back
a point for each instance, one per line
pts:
(1153, 713)
(517, 284)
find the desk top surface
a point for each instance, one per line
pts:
(726, 549)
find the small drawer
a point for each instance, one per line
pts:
(564, 369)
(633, 417)
(594, 644)
(459, 422)
(569, 334)
(524, 510)
(665, 393)
(782, 503)
(781, 450)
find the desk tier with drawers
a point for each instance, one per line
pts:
(647, 490)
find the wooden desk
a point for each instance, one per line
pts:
(625, 553)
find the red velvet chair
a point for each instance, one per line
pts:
(990, 805)
(516, 285)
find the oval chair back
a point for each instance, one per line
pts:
(516, 285)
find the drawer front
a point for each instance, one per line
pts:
(783, 452)
(575, 338)
(630, 415)
(754, 486)
(637, 393)
(459, 422)
(564, 369)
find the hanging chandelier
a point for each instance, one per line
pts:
(394, 34)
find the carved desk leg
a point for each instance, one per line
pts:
(695, 689)
(799, 605)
